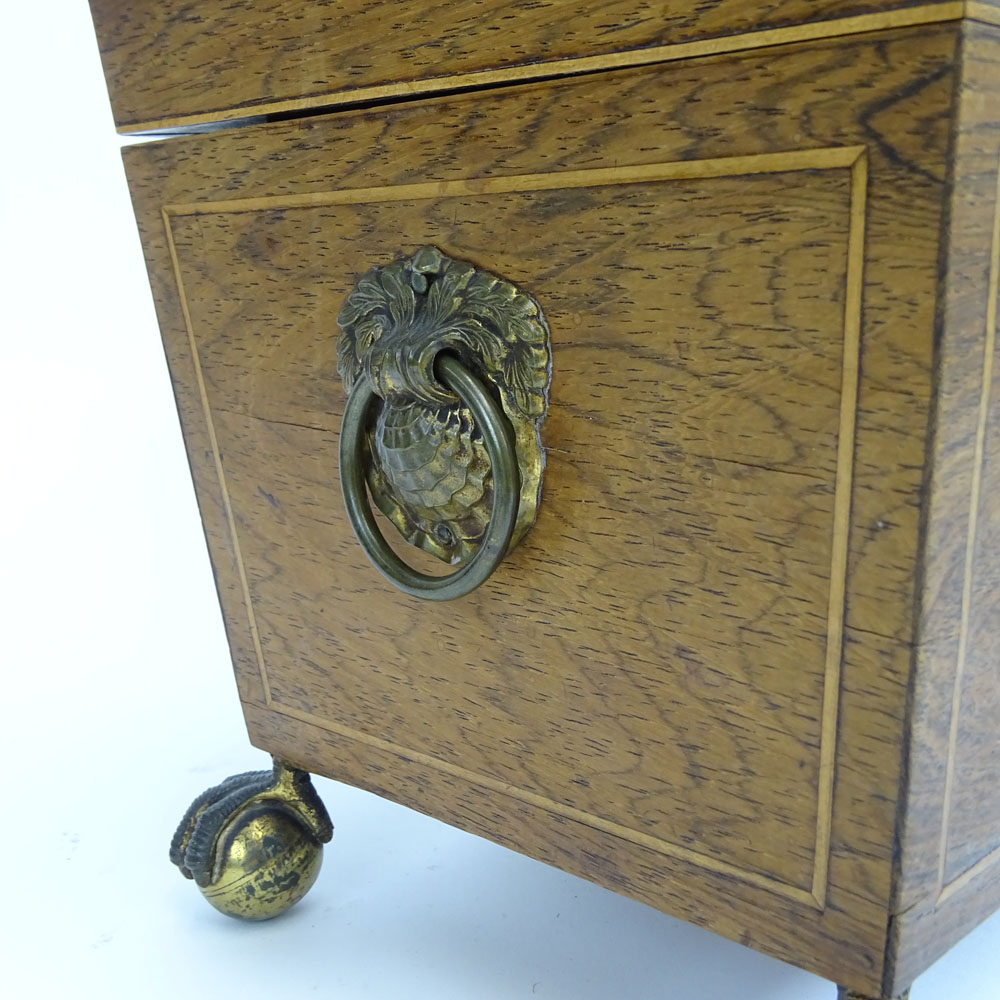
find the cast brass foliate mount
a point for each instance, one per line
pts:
(447, 368)
(254, 843)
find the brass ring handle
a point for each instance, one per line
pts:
(498, 437)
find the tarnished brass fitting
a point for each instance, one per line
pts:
(254, 844)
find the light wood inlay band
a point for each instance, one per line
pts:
(727, 166)
(984, 12)
(217, 455)
(852, 158)
(979, 457)
(747, 41)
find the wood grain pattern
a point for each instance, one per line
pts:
(971, 826)
(950, 869)
(171, 65)
(718, 469)
(701, 442)
(987, 11)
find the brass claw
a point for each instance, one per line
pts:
(254, 843)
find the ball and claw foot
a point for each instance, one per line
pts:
(843, 993)
(254, 844)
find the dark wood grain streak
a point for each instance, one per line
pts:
(173, 63)
(651, 689)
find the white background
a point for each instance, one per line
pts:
(119, 701)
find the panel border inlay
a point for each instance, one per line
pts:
(852, 158)
(948, 888)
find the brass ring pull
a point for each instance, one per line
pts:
(447, 371)
(498, 437)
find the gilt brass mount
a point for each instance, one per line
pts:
(448, 370)
(254, 843)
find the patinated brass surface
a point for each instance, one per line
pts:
(254, 843)
(498, 438)
(427, 465)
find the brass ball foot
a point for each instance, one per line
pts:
(254, 844)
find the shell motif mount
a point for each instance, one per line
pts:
(427, 468)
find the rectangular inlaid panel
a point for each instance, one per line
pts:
(972, 831)
(689, 681)
(693, 531)
(950, 871)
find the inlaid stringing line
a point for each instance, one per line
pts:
(704, 861)
(823, 158)
(841, 522)
(989, 346)
(851, 157)
(907, 17)
(217, 455)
